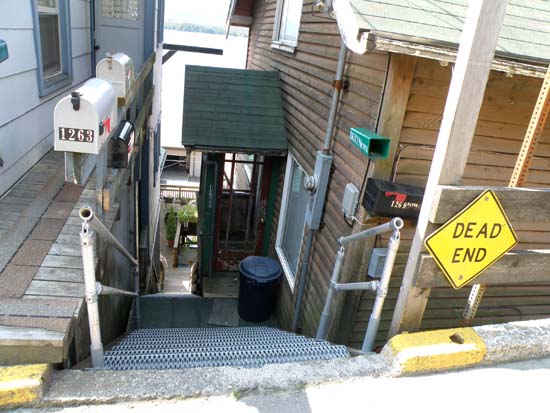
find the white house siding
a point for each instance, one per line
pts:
(26, 119)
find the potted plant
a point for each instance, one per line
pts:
(171, 224)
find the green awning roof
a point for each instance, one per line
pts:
(525, 34)
(233, 110)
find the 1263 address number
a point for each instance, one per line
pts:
(76, 135)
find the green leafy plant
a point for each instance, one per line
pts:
(171, 224)
(188, 213)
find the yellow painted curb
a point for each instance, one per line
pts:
(435, 350)
(22, 384)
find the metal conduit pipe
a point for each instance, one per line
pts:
(302, 281)
(338, 86)
(88, 216)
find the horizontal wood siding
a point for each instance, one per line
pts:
(503, 120)
(26, 119)
(306, 76)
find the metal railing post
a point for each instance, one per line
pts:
(93, 288)
(382, 291)
(381, 287)
(87, 214)
(87, 246)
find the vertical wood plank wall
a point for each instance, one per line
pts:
(306, 77)
(503, 120)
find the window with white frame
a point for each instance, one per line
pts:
(120, 9)
(292, 219)
(52, 42)
(287, 24)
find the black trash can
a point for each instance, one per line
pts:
(258, 281)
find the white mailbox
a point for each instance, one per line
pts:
(84, 119)
(118, 70)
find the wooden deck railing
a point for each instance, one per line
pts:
(178, 191)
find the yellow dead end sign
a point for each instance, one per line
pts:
(472, 240)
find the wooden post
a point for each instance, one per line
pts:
(395, 97)
(470, 75)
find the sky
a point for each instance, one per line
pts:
(210, 12)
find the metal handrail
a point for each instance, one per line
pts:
(379, 286)
(93, 288)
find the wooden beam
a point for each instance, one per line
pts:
(176, 249)
(138, 82)
(394, 101)
(533, 134)
(520, 204)
(470, 75)
(516, 267)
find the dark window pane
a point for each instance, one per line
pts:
(49, 41)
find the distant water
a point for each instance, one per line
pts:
(173, 71)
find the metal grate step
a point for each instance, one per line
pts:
(181, 348)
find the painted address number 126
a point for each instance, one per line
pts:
(76, 135)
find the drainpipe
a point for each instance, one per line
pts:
(338, 86)
(318, 184)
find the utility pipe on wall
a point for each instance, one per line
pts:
(338, 86)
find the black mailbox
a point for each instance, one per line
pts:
(388, 199)
(121, 146)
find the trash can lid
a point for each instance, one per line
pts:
(260, 269)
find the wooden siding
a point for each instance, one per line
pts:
(26, 120)
(503, 120)
(306, 77)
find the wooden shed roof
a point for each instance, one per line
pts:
(233, 110)
(525, 34)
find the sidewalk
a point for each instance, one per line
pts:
(512, 387)
(378, 380)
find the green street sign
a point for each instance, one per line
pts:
(372, 145)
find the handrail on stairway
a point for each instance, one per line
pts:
(93, 288)
(379, 286)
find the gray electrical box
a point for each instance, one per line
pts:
(350, 200)
(321, 173)
(376, 263)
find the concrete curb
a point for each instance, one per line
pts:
(405, 355)
(443, 350)
(23, 385)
